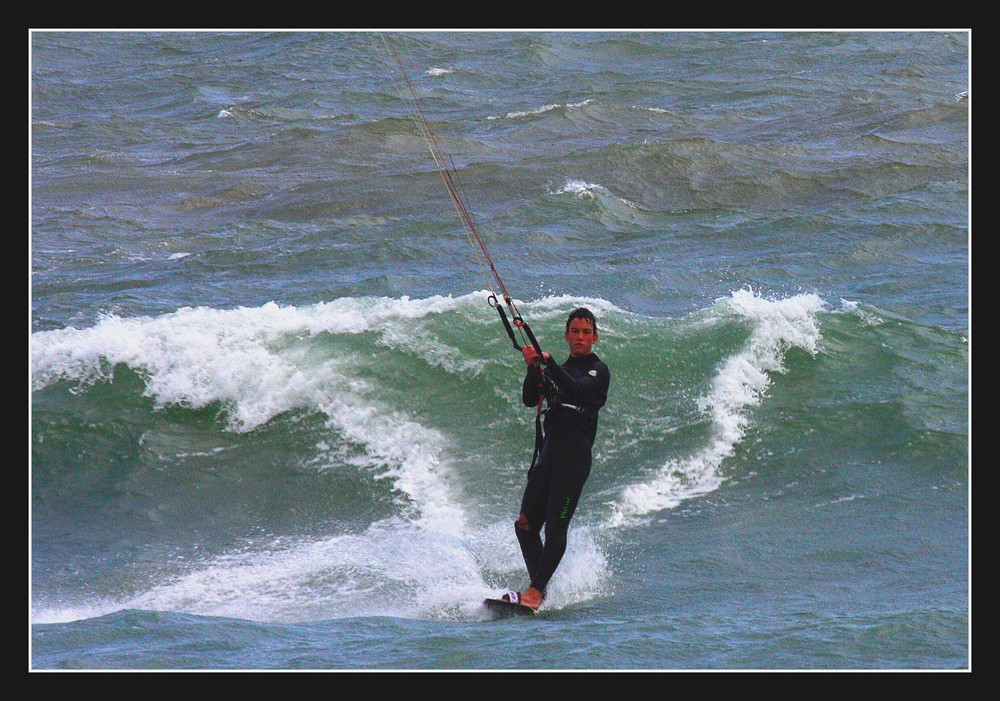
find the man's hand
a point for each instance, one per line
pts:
(531, 356)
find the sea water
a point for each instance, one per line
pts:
(275, 424)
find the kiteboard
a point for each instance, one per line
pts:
(503, 607)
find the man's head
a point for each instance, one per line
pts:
(581, 332)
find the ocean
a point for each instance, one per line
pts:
(275, 423)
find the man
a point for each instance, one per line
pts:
(574, 392)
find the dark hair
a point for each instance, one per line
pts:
(582, 313)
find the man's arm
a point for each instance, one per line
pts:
(531, 389)
(590, 391)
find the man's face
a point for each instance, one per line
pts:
(580, 337)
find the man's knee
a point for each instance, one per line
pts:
(522, 522)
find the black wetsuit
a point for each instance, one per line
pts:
(574, 392)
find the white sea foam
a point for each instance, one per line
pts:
(391, 569)
(739, 384)
(246, 361)
(195, 356)
(581, 188)
(585, 190)
(544, 109)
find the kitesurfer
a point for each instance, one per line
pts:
(574, 392)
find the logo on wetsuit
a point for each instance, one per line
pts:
(565, 509)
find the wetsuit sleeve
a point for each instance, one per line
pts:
(589, 391)
(531, 390)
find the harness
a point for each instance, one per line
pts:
(548, 390)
